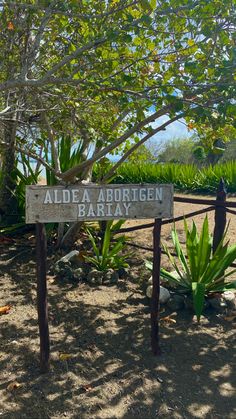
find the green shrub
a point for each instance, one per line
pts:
(184, 177)
(107, 254)
(203, 271)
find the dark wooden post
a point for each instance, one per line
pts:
(220, 215)
(41, 254)
(156, 287)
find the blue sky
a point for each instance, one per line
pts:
(174, 130)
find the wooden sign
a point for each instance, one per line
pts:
(46, 204)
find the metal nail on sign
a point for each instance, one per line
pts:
(46, 204)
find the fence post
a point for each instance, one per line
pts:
(42, 305)
(220, 215)
(155, 304)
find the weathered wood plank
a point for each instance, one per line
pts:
(46, 204)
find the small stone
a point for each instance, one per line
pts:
(203, 320)
(78, 273)
(123, 273)
(230, 299)
(73, 257)
(70, 259)
(218, 303)
(95, 277)
(111, 276)
(164, 294)
(176, 302)
(188, 302)
(150, 281)
(66, 272)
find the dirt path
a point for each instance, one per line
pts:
(102, 366)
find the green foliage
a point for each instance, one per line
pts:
(142, 155)
(183, 177)
(178, 150)
(107, 254)
(69, 155)
(29, 178)
(214, 139)
(202, 272)
(199, 153)
(100, 169)
(95, 71)
(230, 151)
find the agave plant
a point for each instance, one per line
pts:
(202, 271)
(107, 254)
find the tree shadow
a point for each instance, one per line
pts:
(101, 361)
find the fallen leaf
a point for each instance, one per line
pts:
(168, 319)
(5, 309)
(13, 386)
(230, 318)
(65, 357)
(87, 387)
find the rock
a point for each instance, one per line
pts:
(188, 302)
(66, 272)
(78, 273)
(71, 259)
(203, 320)
(150, 281)
(230, 299)
(164, 294)
(149, 291)
(111, 276)
(222, 301)
(123, 273)
(95, 277)
(218, 303)
(60, 267)
(176, 302)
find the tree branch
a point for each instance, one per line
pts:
(33, 156)
(36, 44)
(137, 145)
(65, 13)
(50, 137)
(71, 173)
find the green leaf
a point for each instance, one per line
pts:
(145, 4)
(191, 42)
(153, 4)
(106, 239)
(149, 264)
(179, 251)
(204, 249)
(95, 248)
(198, 293)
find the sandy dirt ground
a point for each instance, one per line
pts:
(101, 362)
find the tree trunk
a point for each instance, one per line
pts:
(8, 202)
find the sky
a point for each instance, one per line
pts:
(157, 142)
(175, 130)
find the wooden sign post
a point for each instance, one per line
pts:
(47, 204)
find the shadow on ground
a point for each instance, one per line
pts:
(101, 363)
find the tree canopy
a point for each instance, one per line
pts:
(103, 71)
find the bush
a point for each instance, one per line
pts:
(184, 177)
